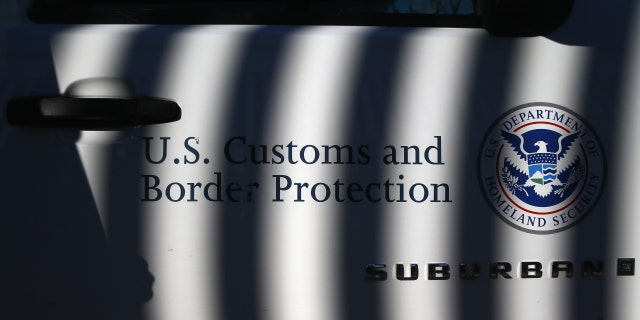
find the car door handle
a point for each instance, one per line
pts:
(82, 112)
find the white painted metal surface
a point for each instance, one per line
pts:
(255, 251)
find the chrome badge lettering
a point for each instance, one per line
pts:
(496, 270)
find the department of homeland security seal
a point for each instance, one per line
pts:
(541, 167)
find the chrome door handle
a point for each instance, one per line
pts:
(81, 112)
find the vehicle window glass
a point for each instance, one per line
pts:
(452, 13)
(442, 7)
(430, 7)
(503, 18)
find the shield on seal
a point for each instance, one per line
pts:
(543, 167)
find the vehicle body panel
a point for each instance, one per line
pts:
(76, 202)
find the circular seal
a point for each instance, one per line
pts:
(541, 167)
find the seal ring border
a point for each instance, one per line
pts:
(595, 137)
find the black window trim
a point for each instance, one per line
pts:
(499, 17)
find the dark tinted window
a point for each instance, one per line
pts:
(431, 7)
(454, 13)
(499, 17)
(442, 7)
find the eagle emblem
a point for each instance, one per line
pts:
(543, 159)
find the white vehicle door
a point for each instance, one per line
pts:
(318, 160)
